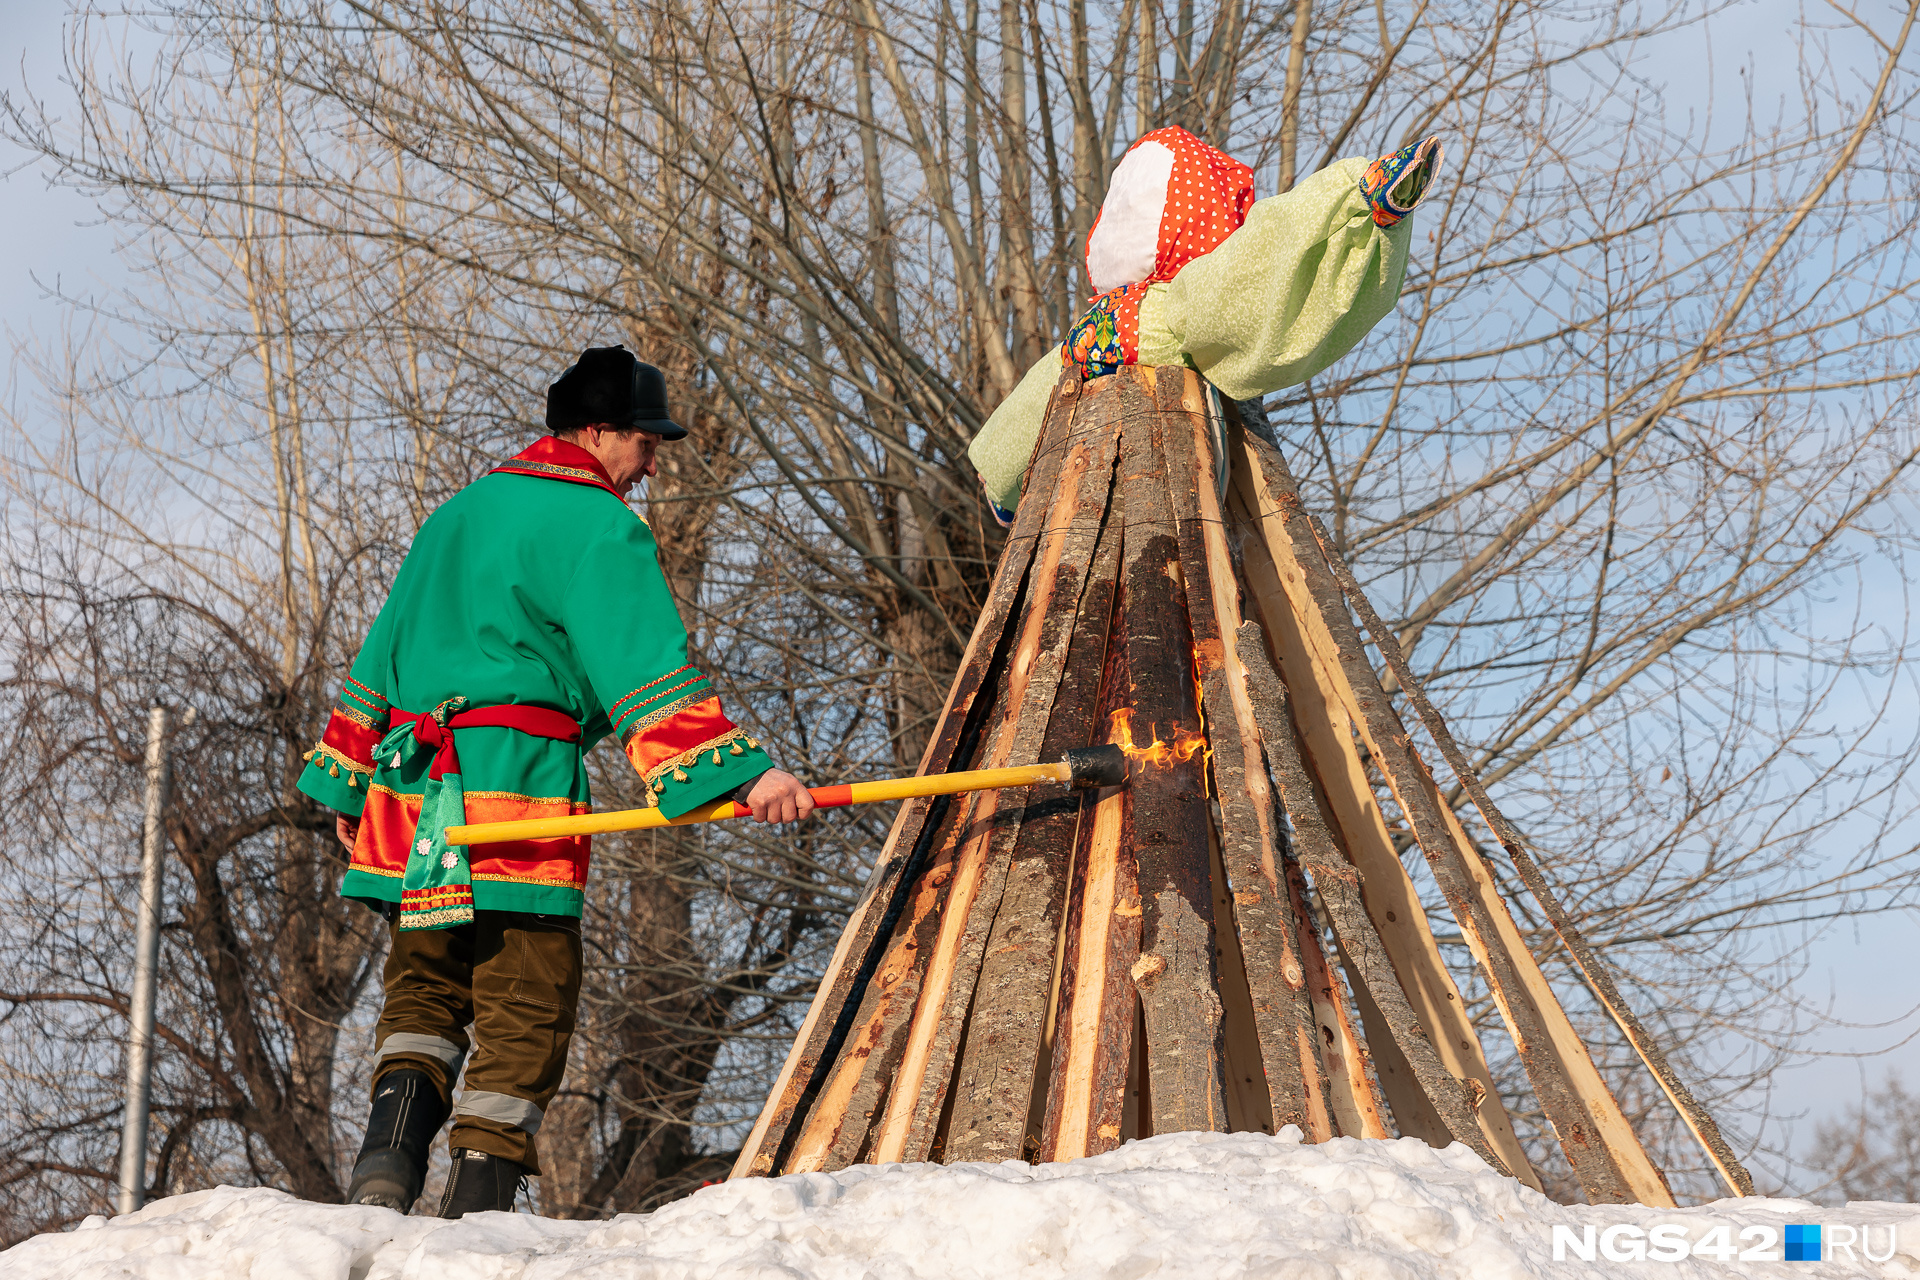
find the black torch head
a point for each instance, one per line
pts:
(1101, 766)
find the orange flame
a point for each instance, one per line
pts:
(1184, 746)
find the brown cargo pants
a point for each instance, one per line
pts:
(516, 980)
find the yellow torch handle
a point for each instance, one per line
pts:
(933, 784)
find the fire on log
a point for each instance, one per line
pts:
(1046, 973)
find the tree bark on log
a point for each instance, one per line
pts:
(1175, 973)
(1344, 794)
(1339, 885)
(1000, 1069)
(1041, 975)
(1261, 910)
(829, 1018)
(1606, 1155)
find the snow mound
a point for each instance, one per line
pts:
(1216, 1206)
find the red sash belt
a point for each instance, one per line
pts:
(541, 722)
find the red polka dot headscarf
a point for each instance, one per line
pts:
(1172, 199)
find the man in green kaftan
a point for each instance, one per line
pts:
(528, 621)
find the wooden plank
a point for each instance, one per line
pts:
(1094, 1042)
(1242, 1067)
(840, 1124)
(1394, 1032)
(1360, 833)
(1340, 797)
(1391, 1068)
(1644, 1180)
(1000, 1068)
(886, 1063)
(894, 871)
(1351, 1096)
(860, 950)
(1606, 1155)
(1233, 819)
(1599, 979)
(858, 953)
(1166, 792)
(920, 1023)
(1263, 932)
(1091, 1082)
(1043, 1060)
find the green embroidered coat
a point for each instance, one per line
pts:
(538, 586)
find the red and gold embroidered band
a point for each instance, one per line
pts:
(438, 907)
(552, 458)
(437, 878)
(391, 818)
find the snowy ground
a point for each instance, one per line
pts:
(1201, 1205)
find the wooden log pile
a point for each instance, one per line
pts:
(1046, 974)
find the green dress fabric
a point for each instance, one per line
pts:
(535, 585)
(1283, 297)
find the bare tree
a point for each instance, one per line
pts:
(1624, 470)
(1872, 1151)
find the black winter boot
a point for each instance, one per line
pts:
(479, 1182)
(407, 1113)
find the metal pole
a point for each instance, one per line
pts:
(146, 954)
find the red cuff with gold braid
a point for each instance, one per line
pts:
(346, 748)
(664, 748)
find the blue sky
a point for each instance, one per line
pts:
(53, 239)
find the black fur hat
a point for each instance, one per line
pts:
(607, 384)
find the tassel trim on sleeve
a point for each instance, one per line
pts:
(710, 752)
(338, 764)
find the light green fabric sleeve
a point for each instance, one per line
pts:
(1005, 444)
(1286, 295)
